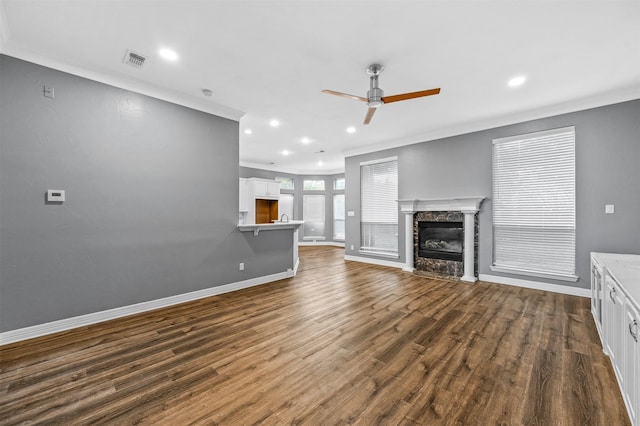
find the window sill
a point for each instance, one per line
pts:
(314, 238)
(375, 253)
(539, 274)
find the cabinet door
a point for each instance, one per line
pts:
(273, 188)
(260, 188)
(596, 296)
(632, 357)
(614, 313)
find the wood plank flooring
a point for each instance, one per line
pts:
(341, 343)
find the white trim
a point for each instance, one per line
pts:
(462, 204)
(379, 160)
(374, 261)
(321, 243)
(611, 97)
(290, 170)
(39, 330)
(550, 275)
(536, 285)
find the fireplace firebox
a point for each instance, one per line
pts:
(441, 240)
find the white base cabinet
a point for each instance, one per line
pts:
(618, 275)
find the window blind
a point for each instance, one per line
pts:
(534, 203)
(379, 207)
(313, 216)
(338, 217)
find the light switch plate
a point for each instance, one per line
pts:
(351, 213)
(609, 209)
(55, 195)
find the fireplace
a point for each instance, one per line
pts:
(453, 235)
(441, 240)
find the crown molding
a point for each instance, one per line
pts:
(274, 168)
(609, 98)
(126, 83)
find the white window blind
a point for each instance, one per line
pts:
(379, 207)
(338, 217)
(534, 203)
(313, 216)
(285, 206)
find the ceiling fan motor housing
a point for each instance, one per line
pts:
(375, 93)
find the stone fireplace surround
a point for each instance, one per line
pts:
(469, 206)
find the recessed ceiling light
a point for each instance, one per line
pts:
(247, 131)
(351, 129)
(517, 81)
(274, 123)
(305, 140)
(168, 54)
(285, 152)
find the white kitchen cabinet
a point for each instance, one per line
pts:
(614, 311)
(620, 275)
(597, 293)
(632, 359)
(265, 188)
(261, 197)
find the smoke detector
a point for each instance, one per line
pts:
(136, 60)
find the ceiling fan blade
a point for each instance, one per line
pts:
(412, 95)
(345, 95)
(369, 116)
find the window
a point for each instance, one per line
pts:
(338, 217)
(313, 185)
(285, 206)
(534, 204)
(285, 182)
(338, 184)
(379, 207)
(313, 216)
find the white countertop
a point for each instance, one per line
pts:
(257, 227)
(625, 268)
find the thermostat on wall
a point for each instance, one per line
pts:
(55, 195)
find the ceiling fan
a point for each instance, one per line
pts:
(375, 95)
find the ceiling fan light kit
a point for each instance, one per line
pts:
(375, 95)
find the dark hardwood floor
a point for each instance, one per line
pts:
(342, 342)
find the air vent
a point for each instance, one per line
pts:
(134, 59)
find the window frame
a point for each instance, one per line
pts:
(534, 201)
(390, 205)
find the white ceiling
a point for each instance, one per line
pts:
(271, 59)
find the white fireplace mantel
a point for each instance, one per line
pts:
(467, 205)
(443, 204)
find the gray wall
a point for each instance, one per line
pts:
(152, 199)
(607, 172)
(248, 172)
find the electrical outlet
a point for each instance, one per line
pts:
(48, 92)
(609, 209)
(351, 246)
(241, 266)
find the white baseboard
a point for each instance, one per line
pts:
(536, 285)
(39, 330)
(374, 261)
(321, 243)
